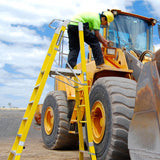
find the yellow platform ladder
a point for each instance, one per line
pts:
(18, 145)
(86, 104)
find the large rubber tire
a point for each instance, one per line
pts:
(117, 96)
(58, 137)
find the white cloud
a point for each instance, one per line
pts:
(157, 47)
(19, 34)
(155, 7)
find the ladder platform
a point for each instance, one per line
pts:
(65, 72)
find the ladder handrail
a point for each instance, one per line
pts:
(61, 20)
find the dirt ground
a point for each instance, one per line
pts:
(34, 147)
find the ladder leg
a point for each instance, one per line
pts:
(80, 129)
(86, 95)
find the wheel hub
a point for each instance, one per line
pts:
(49, 120)
(98, 121)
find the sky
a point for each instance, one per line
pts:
(25, 38)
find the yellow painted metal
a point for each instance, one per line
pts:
(18, 145)
(49, 120)
(118, 62)
(105, 36)
(98, 121)
(80, 129)
(86, 99)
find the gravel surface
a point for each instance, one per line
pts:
(34, 148)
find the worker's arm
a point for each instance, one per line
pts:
(101, 38)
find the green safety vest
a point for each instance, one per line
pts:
(88, 17)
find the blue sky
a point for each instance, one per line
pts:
(25, 38)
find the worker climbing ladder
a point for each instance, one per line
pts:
(22, 133)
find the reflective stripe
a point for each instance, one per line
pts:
(85, 76)
(91, 144)
(80, 26)
(21, 143)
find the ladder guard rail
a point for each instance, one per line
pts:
(71, 69)
(58, 20)
(69, 79)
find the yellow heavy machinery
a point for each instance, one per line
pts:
(112, 93)
(113, 113)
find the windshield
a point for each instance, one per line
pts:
(131, 32)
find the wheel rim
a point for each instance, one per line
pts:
(98, 121)
(49, 120)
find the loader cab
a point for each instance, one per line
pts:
(131, 31)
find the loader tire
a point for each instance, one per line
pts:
(112, 101)
(55, 122)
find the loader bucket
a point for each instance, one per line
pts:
(144, 132)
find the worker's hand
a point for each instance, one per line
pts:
(105, 43)
(108, 43)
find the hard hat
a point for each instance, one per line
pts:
(109, 15)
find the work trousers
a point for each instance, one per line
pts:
(74, 46)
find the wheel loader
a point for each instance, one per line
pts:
(125, 120)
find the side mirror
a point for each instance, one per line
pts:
(159, 31)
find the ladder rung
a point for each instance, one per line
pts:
(14, 152)
(56, 49)
(65, 71)
(25, 118)
(87, 152)
(19, 135)
(72, 132)
(80, 89)
(37, 86)
(79, 121)
(72, 121)
(42, 72)
(31, 102)
(82, 121)
(83, 105)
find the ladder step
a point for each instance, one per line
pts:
(37, 86)
(31, 102)
(14, 153)
(82, 121)
(25, 118)
(83, 105)
(73, 121)
(72, 132)
(79, 90)
(42, 72)
(87, 152)
(79, 121)
(19, 135)
(65, 71)
(56, 49)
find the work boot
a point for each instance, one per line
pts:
(101, 66)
